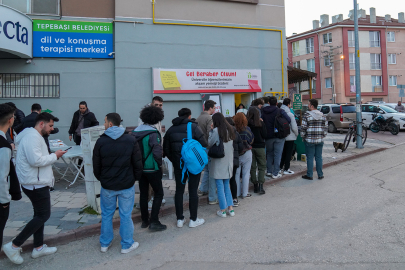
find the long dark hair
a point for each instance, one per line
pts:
(253, 117)
(225, 130)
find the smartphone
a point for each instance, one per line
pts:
(67, 149)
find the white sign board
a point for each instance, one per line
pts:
(15, 32)
(168, 81)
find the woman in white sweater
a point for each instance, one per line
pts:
(289, 140)
(222, 168)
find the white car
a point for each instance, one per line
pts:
(369, 109)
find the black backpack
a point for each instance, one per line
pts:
(282, 125)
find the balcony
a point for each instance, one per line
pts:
(375, 66)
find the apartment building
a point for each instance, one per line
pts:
(328, 49)
(118, 54)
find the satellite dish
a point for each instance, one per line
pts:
(321, 21)
(350, 13)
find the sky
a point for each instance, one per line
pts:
(301, 13)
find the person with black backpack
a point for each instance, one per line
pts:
(173, 142)
(149, 140)
(278, 128)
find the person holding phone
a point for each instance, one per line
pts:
(34, 171)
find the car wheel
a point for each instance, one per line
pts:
(331, 128)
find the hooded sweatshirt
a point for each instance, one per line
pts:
(314, 127)
(293, 125)
(269, 117)
(34, 163)
(149, 140)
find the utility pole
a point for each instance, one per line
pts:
(359, 139)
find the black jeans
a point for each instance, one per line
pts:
(78, 140)
(286, 157)
(154, 179)
(41, 201)
(193, 183)
(4, 212)
(233, 185)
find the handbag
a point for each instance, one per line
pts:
(217, 151)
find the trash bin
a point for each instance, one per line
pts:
(300, 146)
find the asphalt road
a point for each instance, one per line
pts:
(353, 219)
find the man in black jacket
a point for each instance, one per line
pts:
(82, 118)
(18, 115)
(117, 164)
(172, 145)
(29, 120)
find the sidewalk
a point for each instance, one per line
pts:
(68, 204)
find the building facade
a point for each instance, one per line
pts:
(151, 41)
(328, 49)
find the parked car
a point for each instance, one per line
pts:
(336, 115)
(386, 111)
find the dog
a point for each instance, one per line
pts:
(338, 146)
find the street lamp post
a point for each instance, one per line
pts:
(359, 140)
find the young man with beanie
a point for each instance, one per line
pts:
(149, 140)
(117, 164)
(172, 145)
(9, 185)
(34, 171)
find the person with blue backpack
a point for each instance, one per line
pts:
(149, 140)
(184, 144)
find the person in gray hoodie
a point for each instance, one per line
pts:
(289, 140)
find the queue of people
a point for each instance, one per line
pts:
(239, 149)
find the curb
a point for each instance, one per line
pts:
(92, 230)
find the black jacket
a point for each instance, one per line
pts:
(117, 163)
(173, 140)
(237, 148)
(19, 116)
(269, 114)
(28, 121)
(14, 190)
(260, 134)
(89, 121)
(154, 145)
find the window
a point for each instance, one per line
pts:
(375, 107)
(313, 86)
(310, 45)
(390, 36)
(34, 6)
(374, 39)
(296, 48)
(392, 58)
(336, 109)
(375, 60)
(325, 109)
(352, 100)
(327, 38)
(393, 80)
(351, 38)
(297, 64)
(326, 61)
(29, 85)
(353, 84)
(311, 65)
(376, 82)
(352, 60)
(328, 82)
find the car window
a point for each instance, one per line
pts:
(336, 109)
(388, 109)
(373, 109)
(325, 109)
(348, 109)
(363, 108)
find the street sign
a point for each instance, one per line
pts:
(297, 103)
(297, 98)
(401, 93)
(401, 86)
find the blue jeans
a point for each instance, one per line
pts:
(208, 183)
(274, 151)
(314, 150)
(108, 204)
(224, 193)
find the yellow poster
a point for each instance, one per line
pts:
(169, 80)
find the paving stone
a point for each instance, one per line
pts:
(62, 204)
(69, 225)
(10, 232)
(64, 199)
(77, 205)
(72, 217)
(51, 230)
(15, 224)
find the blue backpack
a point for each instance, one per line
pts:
(193, 155)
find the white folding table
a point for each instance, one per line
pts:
(73, 155)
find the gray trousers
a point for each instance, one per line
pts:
(274, 151)
(245, 163)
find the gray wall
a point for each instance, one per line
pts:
(89, 80)
(141, 47)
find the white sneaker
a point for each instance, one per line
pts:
(13, 254)
(104, 249)
(133, 247)
(288, 172)
(150, 203)
(231, 213)
(269, 174)
(221, 214)
(276, 176)
(43, 252)
(163, 201)
(197, 222)
(180, 222)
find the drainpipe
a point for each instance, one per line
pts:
(386, 52)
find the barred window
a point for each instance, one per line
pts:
(19, 85)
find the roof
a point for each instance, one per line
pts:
(380, 22)
(296, 75)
